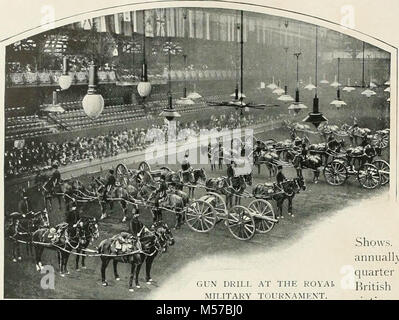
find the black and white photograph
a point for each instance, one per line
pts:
(199, 150)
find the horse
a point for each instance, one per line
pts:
(21, 228)
(354, 132)
(192, 179)
(122, 194)
(217, 185)
(287, 190)
(324, 149)
(269, 158)
(174, 199)
(312, 162)
(64, 239)
(144, 249)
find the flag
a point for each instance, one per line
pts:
(179, 16)
(138, 22)
(110, 23)
(87, 24)
(149, 23)
(118, 21)
(207, 26)
(170, 22)
(191, 24)
(127, 17)
(223, 28)
(160, 22)
(127, 24)
(228, 28)
(199, 24)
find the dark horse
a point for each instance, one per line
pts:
(312, 162)
(72, 238)
(288, 190)
(21, 228)
(143, 250)
(192, 178)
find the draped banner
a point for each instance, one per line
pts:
(170, 22)
(160, 22)
(149, 23)
(207, 26)
(191, 23)
(194, 23)
(199, 24)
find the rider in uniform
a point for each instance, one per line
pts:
(302, 158)
(160, 195)
(109, 184)
(186, 168)
(24, 205)
(280, 177)
(230, 178)
(54, 179)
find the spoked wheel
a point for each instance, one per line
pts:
(335, 173)
(266, 220)
(144, 166)
(122, 174)
(381, 141)
(201, 216)
(383, 169)
(369, 176)
(241, 224)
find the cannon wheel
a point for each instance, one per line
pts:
(265, 209)
(335, 173)
(369, 176)
(144, 166)
(201, 216)
(241, 224)
(122, 174)
(383, 169)
(381, 140)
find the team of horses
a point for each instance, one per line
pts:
(142, 187)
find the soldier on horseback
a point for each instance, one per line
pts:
(24, 204)
(301, 160)
(54, 180)
(110, 183)
(160, 195)
(186, 169)
(280, 177)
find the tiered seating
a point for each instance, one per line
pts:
(76, 119)
(21, 127)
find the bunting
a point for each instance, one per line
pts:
(191, 24)
(199, 24)
(149, 23)
(170, 22)
(160, 22)
(127, 24)
(194, 23)
(207, 26)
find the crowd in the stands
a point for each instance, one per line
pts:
(38, 155)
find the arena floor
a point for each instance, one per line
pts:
(317, 203)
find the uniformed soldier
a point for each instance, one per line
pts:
(230, 177)
(136, 227)
(110, 183)
(280, 177)
(186, 168)
(54, 179)
(220, 155)
(24, 205)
